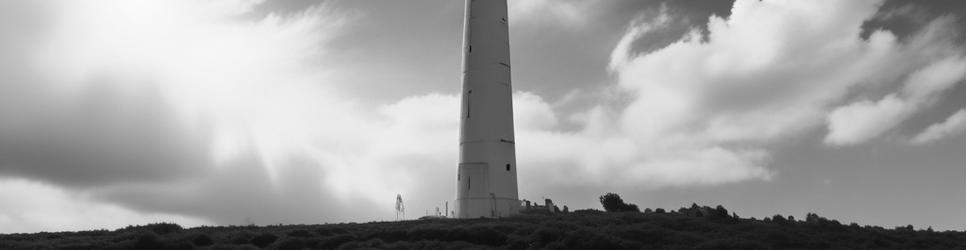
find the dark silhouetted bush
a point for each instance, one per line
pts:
(517, 243)
(556, 246)
(590, 239)
(157, 228)
(613, 203)
(148, 241)
(300, 233)
(203, 240)
(240, 237)
(264, 239)
(720, 244)
(291, 244)
(335, 241)
(587, 211)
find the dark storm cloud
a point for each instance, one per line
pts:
(905, 17)
(102, 136)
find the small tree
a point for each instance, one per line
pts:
(631, 208)
(613, 203)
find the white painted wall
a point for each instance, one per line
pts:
(486, 187)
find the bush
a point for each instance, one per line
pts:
(264, 239)
(587, 211)
(730, 244)
(335, 241)
(157, 228)
(203, 240)
(240, 237)
(485, 235)
(148, 241)
(517, 243)
(291, 244)
(613, 203)
(300, 233)
(587, 239)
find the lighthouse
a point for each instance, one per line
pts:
(487, 172)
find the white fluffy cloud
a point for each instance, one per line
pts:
(861, 121)
(953, 125)
(772, 70)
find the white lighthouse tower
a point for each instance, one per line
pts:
(487, 175)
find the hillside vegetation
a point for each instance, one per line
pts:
(695, 227)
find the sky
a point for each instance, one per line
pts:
(237, 112)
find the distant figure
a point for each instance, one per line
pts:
(400, 208)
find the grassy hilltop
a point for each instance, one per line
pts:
(695, 227)
(622, 226)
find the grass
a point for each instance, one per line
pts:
(687, 228)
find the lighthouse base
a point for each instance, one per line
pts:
(486, 207)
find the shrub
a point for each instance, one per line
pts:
(291, 244)
(148, 241)
(587, 211)
(485, 235)
(241, 237)
(264, 239)
(730, 243)
(157, 228)
(587, 239)
(546, 235)
(517, 243)
(335, 241)
(613, 203)
(556, 246)
(203, 240)
(300, 233)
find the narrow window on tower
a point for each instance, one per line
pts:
(507, 167)
(468, 93)
(471, 49)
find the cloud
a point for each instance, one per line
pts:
(863, 120)
(31, 207)
(772, 70)
(638, 28)
(564, 12)
(205, 112)
(180, 109)
(953, 125)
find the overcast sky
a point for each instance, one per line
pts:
(118, 112)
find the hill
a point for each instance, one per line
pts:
(687, 228)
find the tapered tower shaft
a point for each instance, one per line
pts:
(487, 174)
